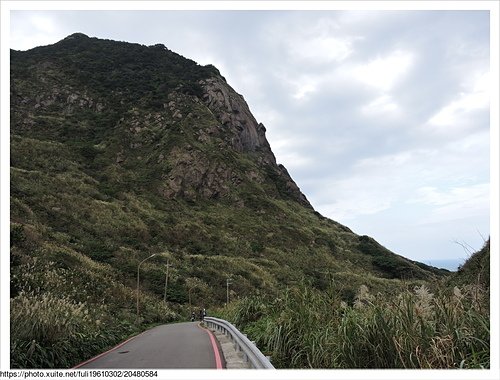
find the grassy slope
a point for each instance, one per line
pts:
(443, 324)
(476, 269)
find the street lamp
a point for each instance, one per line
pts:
(228, 282)
(138, 274)
(166, 282)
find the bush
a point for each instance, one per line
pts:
(65, 313)
(303, 328)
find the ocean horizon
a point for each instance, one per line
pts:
(450, 264)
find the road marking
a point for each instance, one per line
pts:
(215, 348)
(107, 352)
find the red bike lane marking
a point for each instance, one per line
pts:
(107, 352)
(215, 348)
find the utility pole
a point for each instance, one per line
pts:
(228, 282)
(166, 283)
(189, 295)
(138, 274)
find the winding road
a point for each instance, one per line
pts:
(174, 346)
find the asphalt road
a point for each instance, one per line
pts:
(179, 345)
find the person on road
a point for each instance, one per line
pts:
(201, 315)
(204, 313)
(192, 316)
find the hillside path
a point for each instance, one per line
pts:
(179, 345)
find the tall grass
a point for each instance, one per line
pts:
(303, 328)
(51, 331)
(63, 316)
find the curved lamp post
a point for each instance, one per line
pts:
(138, 274)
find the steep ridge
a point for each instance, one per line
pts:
(119, 151)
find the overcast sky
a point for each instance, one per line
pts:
(381, 117)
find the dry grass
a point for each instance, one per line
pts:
(413, 329)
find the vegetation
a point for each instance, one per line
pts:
(476, 270)
(414, 328)
(115, 156)
(65, 307)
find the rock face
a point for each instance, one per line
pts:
(192, 176)
(232, 111)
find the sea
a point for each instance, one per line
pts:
(450, 264)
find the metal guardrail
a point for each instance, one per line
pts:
(241, 343)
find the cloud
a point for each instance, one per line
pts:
(434, 196)
(463, 202)
(303, 89)
(456, 114)
(43, 24)
(39, 28)
(310, 39)
(320, 49)
(383, 72)
(371, 185)
(382, 106)
(343, 204)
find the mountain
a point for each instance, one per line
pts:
(120, 151)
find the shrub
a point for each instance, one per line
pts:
(303, 328)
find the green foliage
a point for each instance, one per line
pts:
(17, 236)
(393, 266)
(122, 72)
(476, 270)
(65, 313)
(302, 328)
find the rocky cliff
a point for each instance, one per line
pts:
(232, 111)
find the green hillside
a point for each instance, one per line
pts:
(120, 151)
(475, 270)
(439, 324)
